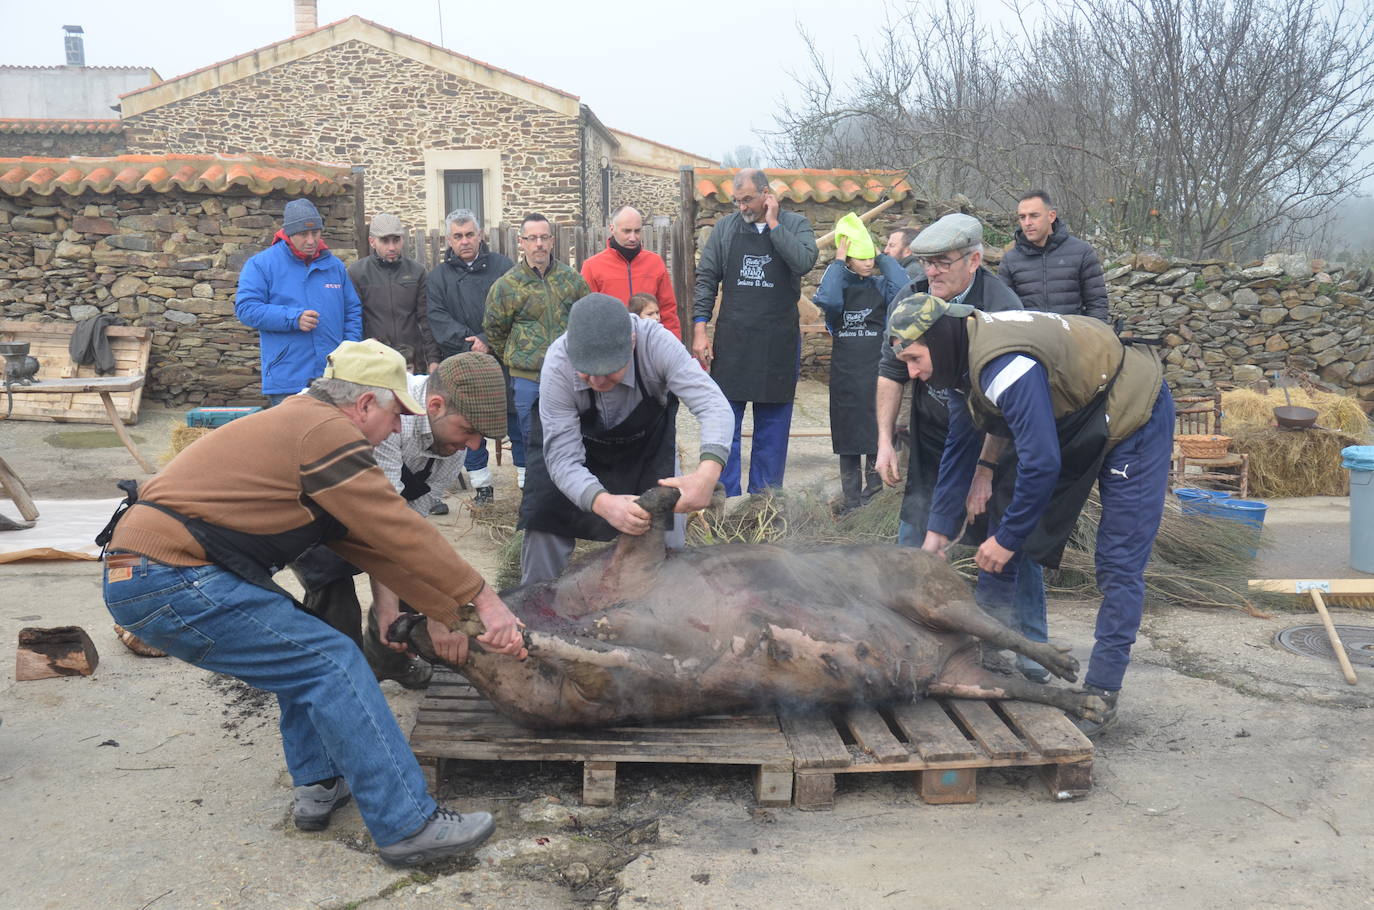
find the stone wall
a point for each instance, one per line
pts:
(1223, 323)
(653, 193)
(61, 145)
(169, 261)
(358, 104)
(594, 149)
(908, 212)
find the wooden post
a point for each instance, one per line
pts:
(685, 251)
(359, 211)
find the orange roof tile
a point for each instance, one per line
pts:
(809, 184)
(36, 125)
(161, 173)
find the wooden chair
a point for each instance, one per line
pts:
(1201, 415)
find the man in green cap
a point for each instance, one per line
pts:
(1082, 407)
(463, 398)
(854, 295)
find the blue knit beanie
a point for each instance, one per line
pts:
(301, 215)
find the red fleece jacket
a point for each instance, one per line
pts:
(608, 272)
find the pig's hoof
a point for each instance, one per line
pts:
(1092, 708)
(1060, 663)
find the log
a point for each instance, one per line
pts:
(63, 651)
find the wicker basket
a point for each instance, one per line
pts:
(1199, 446)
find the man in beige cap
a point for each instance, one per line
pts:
(392, 289)
(188, 568)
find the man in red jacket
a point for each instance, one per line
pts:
(624, 268)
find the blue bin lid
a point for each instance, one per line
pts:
(1358, 458)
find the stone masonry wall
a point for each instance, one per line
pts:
(652, 195)
(909, 212)
(1224, 323)
(594, 148)
(358, 104)
(167, 261)
(61, 145)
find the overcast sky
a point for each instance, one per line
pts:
(702, 76)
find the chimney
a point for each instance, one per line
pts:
(307, 19)
(76, 50)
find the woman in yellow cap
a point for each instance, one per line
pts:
(854, 294)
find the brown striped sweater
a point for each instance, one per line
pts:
(257, 475)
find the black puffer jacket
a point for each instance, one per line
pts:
(1065, 276)
(457, 293)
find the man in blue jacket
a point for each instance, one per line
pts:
(299, 297)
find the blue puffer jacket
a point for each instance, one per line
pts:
(275, 287)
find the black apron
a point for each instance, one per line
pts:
(1083, 436)
(929, 425)
(856, 347)
(758, 339)
(630, 457)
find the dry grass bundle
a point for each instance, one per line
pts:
(181, 438)
(1296, 462)
(1244, 409)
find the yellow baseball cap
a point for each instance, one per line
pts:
(373, 364)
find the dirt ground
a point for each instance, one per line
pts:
(1238, 776)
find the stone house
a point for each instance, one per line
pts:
(158, 241)
(432, 129)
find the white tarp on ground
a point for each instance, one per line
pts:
(66, 529)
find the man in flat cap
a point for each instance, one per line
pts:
(604, 431)
(950, 252)
(298, 295)
(464, 398)
(756, 257)
(392, 288)
(188, 566)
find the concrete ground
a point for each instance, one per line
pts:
(1238, 775)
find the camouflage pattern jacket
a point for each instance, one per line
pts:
(526, 311)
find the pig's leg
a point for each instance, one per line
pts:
(965, 616)
(963, 677)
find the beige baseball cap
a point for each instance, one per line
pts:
(372, 363)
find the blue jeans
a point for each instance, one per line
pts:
(524, 392)
(1029, 598)
(334, 718)
(768, 454)
(476, 459)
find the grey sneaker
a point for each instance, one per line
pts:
(1091, 728)
(1032, 670)
(439, 508)
(315, 803)
(447, 833)
(485, 496)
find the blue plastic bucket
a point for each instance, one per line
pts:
(1194, 501)
(1243, 511)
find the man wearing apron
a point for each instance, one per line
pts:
(854, 294)
(604, 430)
(756, 257)
(1082, 407)
(951, 253)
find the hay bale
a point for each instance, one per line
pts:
(1295, 462)
(181, 438)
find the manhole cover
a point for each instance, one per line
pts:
(1311, 641)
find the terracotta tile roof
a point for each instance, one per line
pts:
(161, 173)
(810, 185)
(35, 125)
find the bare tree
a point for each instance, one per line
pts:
(1209, 126)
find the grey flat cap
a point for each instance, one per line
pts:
(600, 335)
(386, 225)
(952, 232)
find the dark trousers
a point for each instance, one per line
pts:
(337, 604)
(859, 481)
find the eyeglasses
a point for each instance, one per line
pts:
(538, 238)
(941, 265)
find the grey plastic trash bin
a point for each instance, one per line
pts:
(1359, 460)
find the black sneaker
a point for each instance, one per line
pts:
(447, 833)
(314, 804)
(485, 496)
(439, 508)
(1091, 728)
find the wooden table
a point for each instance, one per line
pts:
(103, 386)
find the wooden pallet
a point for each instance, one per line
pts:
(50, 343)
(945, 741)
(456, 722)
